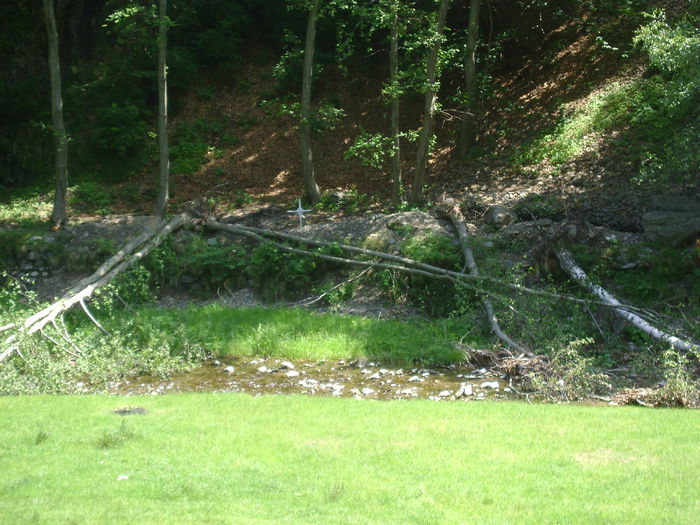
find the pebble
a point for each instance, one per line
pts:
(263, 369)
(229, 370)
(308, 383)
(292, 373)
(287, 365)
(413, 379)
(445, 393)
(367, 391)
(490, 385)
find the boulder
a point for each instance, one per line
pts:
(671, 227)
(678, 203)
(500, 216)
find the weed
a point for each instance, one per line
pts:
(679, 389)
(41, 437)
(116, 437)
(570, 377)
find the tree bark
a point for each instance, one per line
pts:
(313, 194)
(467, 130)
(429, 107)
(163, 184)
(568, 263)
(451, 209)
(59, 217)
(395, 129)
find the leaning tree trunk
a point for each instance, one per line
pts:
(467, 129)
(163, 184)
(429, 108)
(451, 209)
(58, 216)
(395, 130)
(134, 251)
(313, 193)
(568, 264)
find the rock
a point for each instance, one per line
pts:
(381, 241)
(367, 391)
(361, 362)
(677, 203)
(413, 379)
(229, 370)
(287, 365)
(500, 216)
(263, 369)
(671, 227)
(212, 241)
(445, 393)
(465, 389)
(292, 373)
(490, 385)
(308, 383)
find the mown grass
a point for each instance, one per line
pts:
(301, 334)
(222, 458)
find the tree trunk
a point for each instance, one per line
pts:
(568, 263)
(313, 193)
(163, 185)
(467, 130)
(393, 78)
(429, 108)
(451, 209)
(59, 216)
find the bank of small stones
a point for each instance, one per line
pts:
(359, 379)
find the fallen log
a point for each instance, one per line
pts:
(133, 252)
(568, 264)
(450, 208)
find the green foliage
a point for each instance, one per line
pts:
(280, 273)
(193, 142)
(325, 116)
(91, 197)
(437, 297)
(350, 201)
(119, 129)
(679, 388)
(570, 376)
(373, 149)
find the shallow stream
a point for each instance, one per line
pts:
(359, 379)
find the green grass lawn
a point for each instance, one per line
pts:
(221, 458)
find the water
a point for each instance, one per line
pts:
(338, 378)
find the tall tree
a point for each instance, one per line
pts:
(313, 194)
(58, 217)
(163, 184)
(429, 105)
(467, 129)
(393, 79)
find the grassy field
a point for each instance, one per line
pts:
(237, 459)
(301, 334)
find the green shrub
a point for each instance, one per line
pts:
(91, 197)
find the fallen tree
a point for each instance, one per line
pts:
(450, 208)
(568, 264)
(137, 249)
(133, 252)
